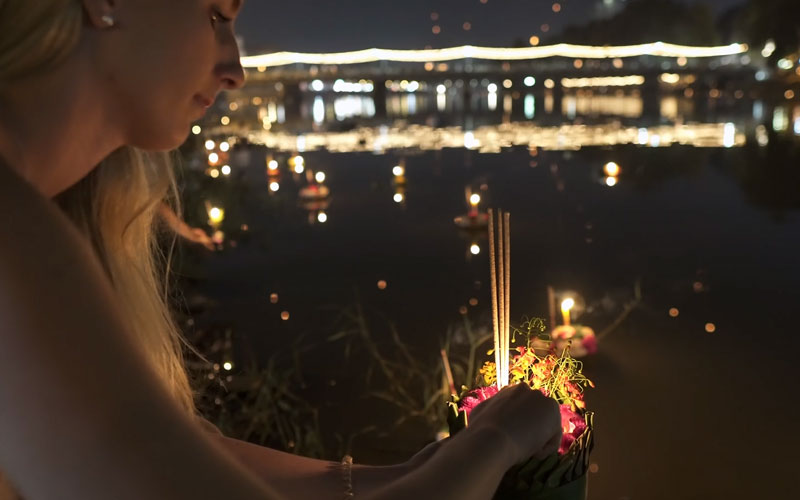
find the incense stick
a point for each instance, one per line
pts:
(493, 273)
(507, 294)
(448, 373)
(501, 305)
(500, 260)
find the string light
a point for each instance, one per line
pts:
(659, 49)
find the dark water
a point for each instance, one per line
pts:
(711, 231)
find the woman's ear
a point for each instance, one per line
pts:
(101, 13)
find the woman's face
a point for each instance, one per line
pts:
(164, 64)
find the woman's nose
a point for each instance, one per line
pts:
(229, 70)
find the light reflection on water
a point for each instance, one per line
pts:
(493, 138)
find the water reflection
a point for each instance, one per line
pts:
(493, 138)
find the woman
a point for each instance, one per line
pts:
(94, 399)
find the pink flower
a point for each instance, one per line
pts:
(572, 425)
(590, 344)
(476, 397)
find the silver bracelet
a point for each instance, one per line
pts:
(347, 477)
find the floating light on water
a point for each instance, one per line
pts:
(224, 146)
(711, 327)
(226, 170)
(317, 86)
(227, 366)
(273, 298)
(769, 48)
(320, 177)
(382, 285)
(299, 168)
(474, 199)
(507, 84)
(210, 145)
(272, 165)
(213, 159)
(398, 198)
(492, 87)
(611, 181)
(225, 120)
(612, 169)
(529, 81)
(274, 187)
(196, 130)
(475, 249)
(322, 217)
(441, 89)
(762, 136)
(398, 171)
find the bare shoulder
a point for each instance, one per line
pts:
(27, 217)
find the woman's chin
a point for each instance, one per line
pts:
(163, 142)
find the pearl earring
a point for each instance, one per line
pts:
(108, 20)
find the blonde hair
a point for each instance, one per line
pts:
(116, 205)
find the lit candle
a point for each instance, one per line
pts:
(566, 307)
(215, 216)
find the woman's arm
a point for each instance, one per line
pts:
(81, 415)
(516, 424)
(300, 477)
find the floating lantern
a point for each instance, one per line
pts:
(612, 169)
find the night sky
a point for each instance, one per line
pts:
(334, 25)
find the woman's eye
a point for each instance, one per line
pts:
(217, 17)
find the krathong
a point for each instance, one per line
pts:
(553, 371)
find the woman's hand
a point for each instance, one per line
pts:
(198, 235)
(527, 423)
